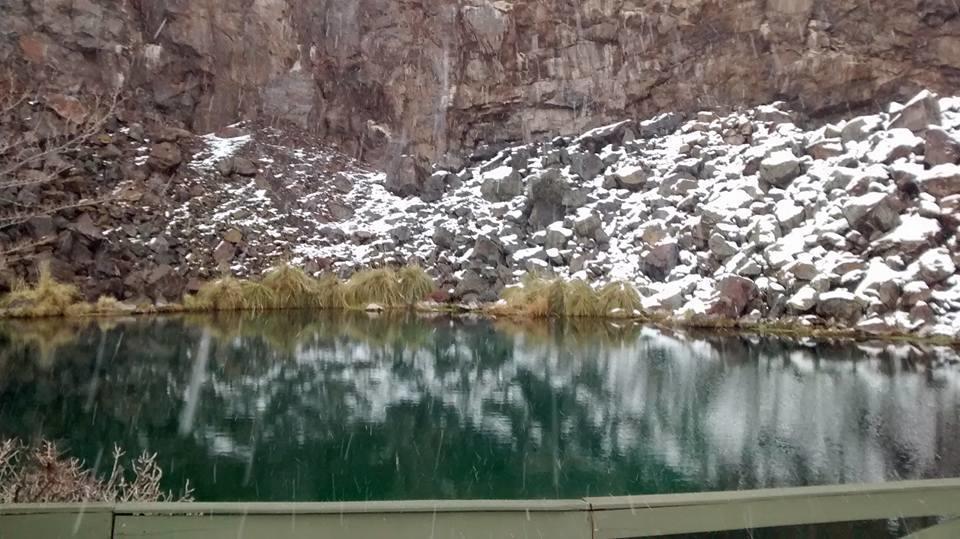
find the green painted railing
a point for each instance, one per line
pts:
(587, 518)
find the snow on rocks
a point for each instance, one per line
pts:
(742, 215)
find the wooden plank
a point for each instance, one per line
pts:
(56, 523)
(664, 515)
(402, 525)
(337, 508)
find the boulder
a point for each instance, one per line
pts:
(941, 180)
(488, 251)
(779, 168)
(630, 177)
(165, 156)
(872, 211)
(404, 177)
(545, 193)
(826, 148)
(720, 247)
(803, 300)
(733, 294)
(921, 111)
(940, 147)
(501, 184)
(658, 263)
(936, 265)
(557, 237)
(894, 144)
(435, 186)
(586, 165)
(839, 305)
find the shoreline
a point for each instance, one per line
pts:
(786, 328)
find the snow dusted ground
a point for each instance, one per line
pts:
(746, 215)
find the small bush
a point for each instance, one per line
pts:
(330, 293)
(414, 284)
(619, 299)
(292, 288)
(256, 296)
(47, 298)
(224, 294)
(536, 297)
(581, 300)
(378, 286)
(42, 474)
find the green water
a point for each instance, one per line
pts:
(349, 407)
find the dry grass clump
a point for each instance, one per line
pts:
(330, 292)
(42, 474)
(47, 298)
(224, 294)
(414, 284)
(541, 297)
(292, 288)
(374, 286)
(581, 300)
(619, 298)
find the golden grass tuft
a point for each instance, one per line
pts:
(619, 298)
(47, 298)
(379, 286)
(291, 287)
(581, 300)
(414, 284)
(224, 294)
(330, 293)
(256, 296)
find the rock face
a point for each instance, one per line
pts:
(436, 75)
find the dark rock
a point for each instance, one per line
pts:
(545, 194)
(734, 293)
(661, 260)
(405, 177)
(940, 147)
(586, 165)
(165, 156)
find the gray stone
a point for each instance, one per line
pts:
(586, 165)
(501, 187)
(779, 168)
(940, 147)
(921, 111)
(720, 247)
(545, 194)
(839, 305)
(941, 180)
(872, 211)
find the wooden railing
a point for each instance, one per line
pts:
(587, 518)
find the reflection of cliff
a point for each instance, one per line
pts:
(357, 408)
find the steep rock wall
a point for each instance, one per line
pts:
(436, 75)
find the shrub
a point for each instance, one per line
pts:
(224, 294)
(292, 288)
(330, 293)
(47, 298)
(42, 474)
(581, 300)
(414, 284)
(619, 299)
(378, 286)
(256, 296)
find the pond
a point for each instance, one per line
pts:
(348, 406)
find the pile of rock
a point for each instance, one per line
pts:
(746, 215)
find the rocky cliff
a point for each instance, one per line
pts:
(429, 76)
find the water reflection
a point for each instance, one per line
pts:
(352, 407)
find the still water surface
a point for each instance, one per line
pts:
(349, 407)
